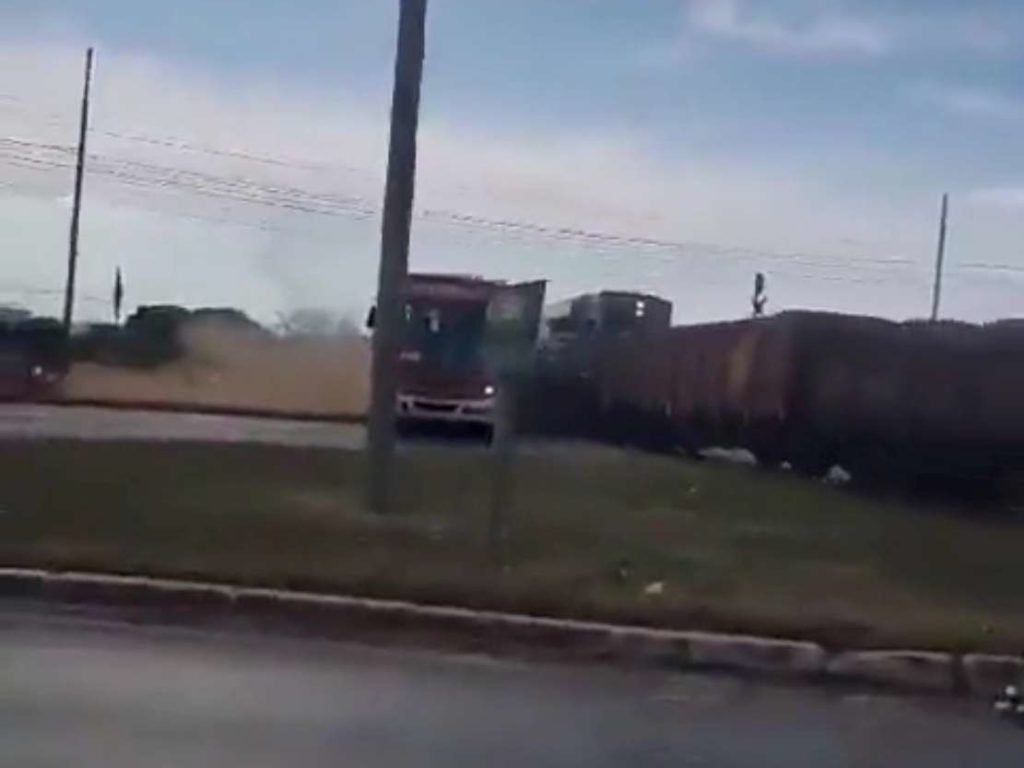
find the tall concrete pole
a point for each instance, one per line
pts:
(394, 252)
(76, 206)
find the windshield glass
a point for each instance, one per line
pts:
(446, 336)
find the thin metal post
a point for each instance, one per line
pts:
(503, 448)
(394, 256)
(940, 259)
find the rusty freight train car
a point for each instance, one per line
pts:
(938, 401)
(695, 386)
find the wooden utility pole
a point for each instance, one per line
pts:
(394, 251)
(76, 206)
(940, 258)
(118, 295)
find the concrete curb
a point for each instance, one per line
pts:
(920, 670)
(342, 617)
(987, 675)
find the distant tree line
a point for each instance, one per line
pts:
(152, 335)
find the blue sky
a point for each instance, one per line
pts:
(647, 64)
(822, 128)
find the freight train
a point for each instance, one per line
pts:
(938, 403)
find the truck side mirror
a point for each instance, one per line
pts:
(371, 317)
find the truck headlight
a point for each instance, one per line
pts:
(489, 390)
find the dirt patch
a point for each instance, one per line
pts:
(226, 367)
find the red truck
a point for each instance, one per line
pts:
(461, 333)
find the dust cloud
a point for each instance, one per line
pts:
(226, 367)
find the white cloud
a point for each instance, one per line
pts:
(1005, 197)
(973, 101)
(197, 240)
(828, 29)
(983, 34)
(823, 34)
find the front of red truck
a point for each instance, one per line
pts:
(443, 375)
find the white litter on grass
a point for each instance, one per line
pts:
(1009, 702)
(655, 588)
(837, 476)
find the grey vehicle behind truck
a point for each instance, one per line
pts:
(33, 358)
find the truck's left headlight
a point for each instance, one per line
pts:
(489, 390)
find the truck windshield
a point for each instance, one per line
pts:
(446, 336)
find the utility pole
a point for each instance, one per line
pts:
(76, 207)
(940, 258)
(394, 251)
(118, 295)
(760, 298)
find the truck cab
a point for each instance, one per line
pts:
(443, 375)
(464, 340)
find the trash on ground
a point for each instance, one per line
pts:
(837, 476)
(655, 588)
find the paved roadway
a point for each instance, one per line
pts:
(84, 694)
(20, 421)
(42, 421)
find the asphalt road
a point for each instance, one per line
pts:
(42, 421)
(76, 693)
(39, 422)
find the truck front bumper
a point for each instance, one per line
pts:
(423, 408)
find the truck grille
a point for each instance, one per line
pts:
(425, 405)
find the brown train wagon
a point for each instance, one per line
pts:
(816, 389)
(947, 366)
(793, 387)
(696, 386)
(937, 401)
(848, 390)
(729, 383)
(559, 402)
(967, 412)
(999, 398)
(631, 381)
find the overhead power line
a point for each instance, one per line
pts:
(188, 145)
(247, 190)
(547, 231)
(25, 290)
(44, 156)
(9, 100)
(990, 267)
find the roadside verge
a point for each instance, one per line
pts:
(137, 598)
